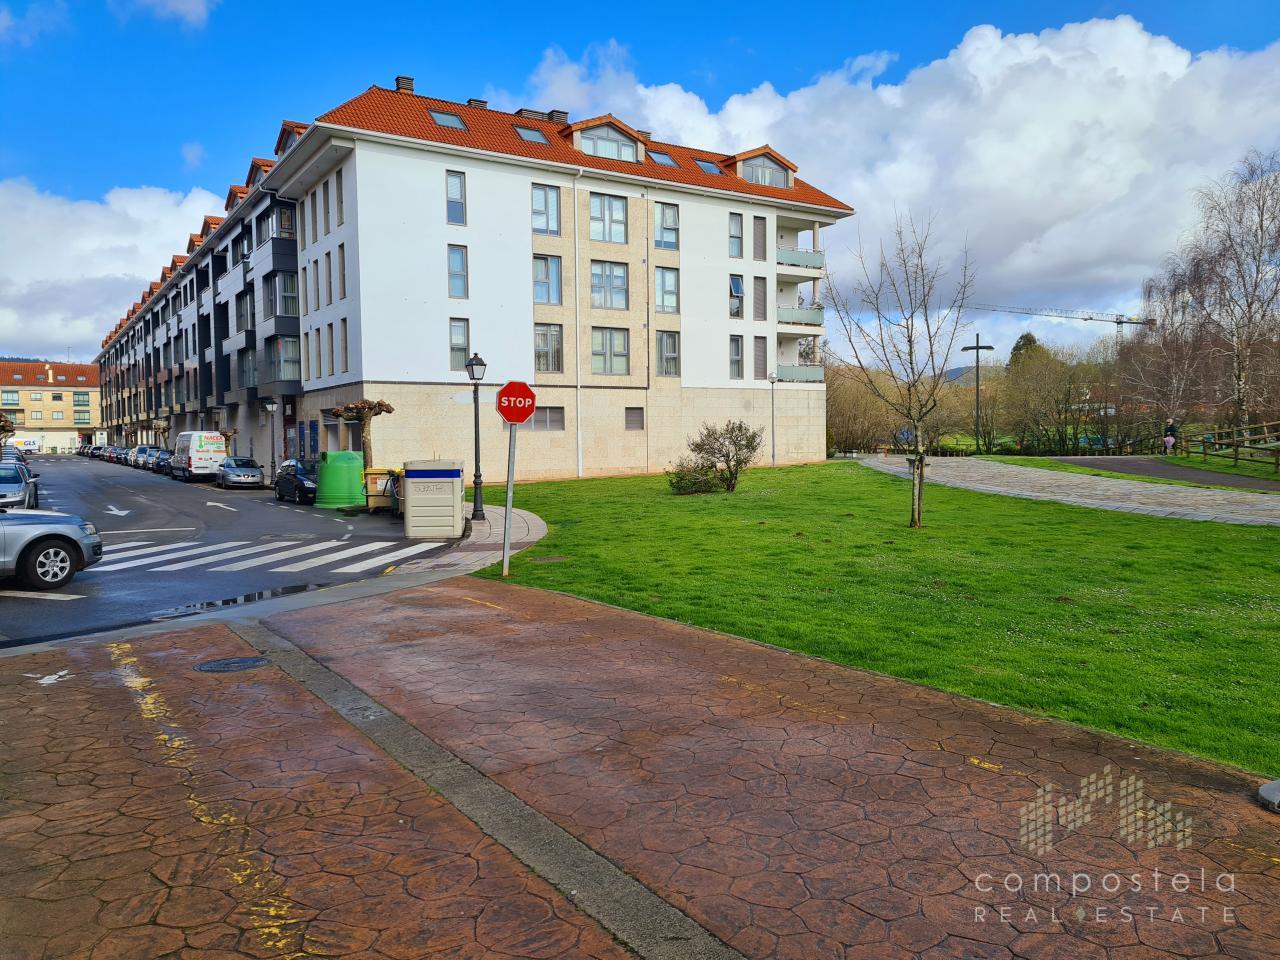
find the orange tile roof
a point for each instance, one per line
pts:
(287, 127)
(403, 114)
(210, 224)
(193, 241)
(235, 193)
(763, 151)
(24, 373)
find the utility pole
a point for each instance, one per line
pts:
(977, 348)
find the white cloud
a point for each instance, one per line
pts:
(23, 29)
(1066, 158)
(192, 155)
(70, 268)
(193, 13)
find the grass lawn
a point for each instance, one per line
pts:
(1159, 629)
(1049, 463)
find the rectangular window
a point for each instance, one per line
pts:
(546, 279)
(304, 292)
(306, 356)
(245, 317)
(290, 363)
(546, 210)
(337, 189)
(346, 354)
(80, 399)
(608, 218)
(667, 289)
(533, 136)
(326, 207)
(329, 343)
(342, 271)
(315, 282)
(759, 239)
(735, 296)
(668, 353)
(328, 278)
(546, 418)
(735, 358)
(319, 359)
(633, 418)
(82, 416)
(759, 298)
(610, 350)
(315, 221)
(59, 415)
(10, 398)
(455, 188)
(459, 343)
(605, 141)
(760, 360)
(458, 272)
(735, 235)
(548, 348)
(37, 414)
(608, 285)
(667, 235)
(302, 223)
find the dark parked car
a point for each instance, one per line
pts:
(296, 481)
(96, 452)
(163, 463)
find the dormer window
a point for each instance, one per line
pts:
(447, 119)
(707, 166)
(532, 135)
(605, 141)
(764, 170)
(661, 158)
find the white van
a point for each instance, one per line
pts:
(197, 455)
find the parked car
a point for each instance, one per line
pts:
(163, 462)
(95, 452)
(197, 455)
(296, 481)
(240, 472)
(46, 549)
(149, 461)
(18, 486)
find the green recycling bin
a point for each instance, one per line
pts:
(340, 480)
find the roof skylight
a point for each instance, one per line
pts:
(447, 119)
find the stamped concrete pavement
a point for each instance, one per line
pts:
(1104, 493)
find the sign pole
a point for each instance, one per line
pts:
(506, 516)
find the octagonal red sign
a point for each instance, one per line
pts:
(516, 402)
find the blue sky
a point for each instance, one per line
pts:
(1061, 141)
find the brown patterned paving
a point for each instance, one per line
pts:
(802, 810)
(147, 812)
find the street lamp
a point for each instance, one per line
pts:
(773, 418)
(475, 370)
(270, 406)
(977, 348)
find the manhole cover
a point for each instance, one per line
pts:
(232, 664)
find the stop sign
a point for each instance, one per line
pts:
(516, 402)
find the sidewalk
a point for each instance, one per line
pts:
(486, 770)
(1101, 493)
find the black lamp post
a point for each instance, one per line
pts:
(475, 370)
(977, 348)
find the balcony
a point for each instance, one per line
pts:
(802, 317)
(800, 373)
(797, 263)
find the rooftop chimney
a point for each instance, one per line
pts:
(558, 116)
(404, 84)
(644, 134)
(530, 114)
(477, 102)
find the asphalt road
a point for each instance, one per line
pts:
(1173, 469)
(172, 548)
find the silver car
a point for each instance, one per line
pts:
(45, 549)
(240, 472)
(18, 486)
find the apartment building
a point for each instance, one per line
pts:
(53, 406)
(643, 288)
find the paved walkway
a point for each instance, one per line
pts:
(1174, 468)
(1104, 493)
(476, 769)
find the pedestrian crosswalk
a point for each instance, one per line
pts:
(281, 556)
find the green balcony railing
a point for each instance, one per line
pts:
(801, 373)
(795, 257)
(809, 316)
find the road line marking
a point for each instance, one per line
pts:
(263, 561)
(331, 557)
(387, 558)
(108, 533)
(126, 546)
(208, 548)
(36, 595)
(158, 548)
(220, 557)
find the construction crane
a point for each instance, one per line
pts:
(1119, 319)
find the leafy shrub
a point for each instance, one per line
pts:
(719, 455)
(688, 475)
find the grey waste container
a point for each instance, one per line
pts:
(431, 497)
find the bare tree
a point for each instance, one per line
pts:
(363, 412)
(901, 327)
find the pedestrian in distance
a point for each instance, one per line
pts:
(1170, 436)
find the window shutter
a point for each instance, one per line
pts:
(762, 359)
(759, 298)
(759, 238)
(635, 418)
